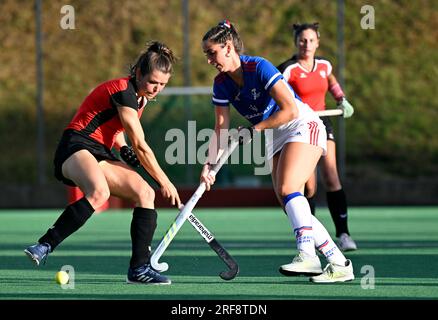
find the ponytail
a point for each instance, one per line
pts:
(223, 32)
(157, 56)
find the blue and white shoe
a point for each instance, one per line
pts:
(146, 275)
(38, 252)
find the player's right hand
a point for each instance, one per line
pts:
(207, 177)
(169, 192)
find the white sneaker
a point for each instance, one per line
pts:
(335, 273)
(346, 243)
(302, 264)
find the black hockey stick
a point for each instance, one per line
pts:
(217, 247)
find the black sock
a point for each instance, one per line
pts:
(312, 204)
(337, 204)
(143, 224)
(73, 217)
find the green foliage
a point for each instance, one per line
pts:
(390, 72)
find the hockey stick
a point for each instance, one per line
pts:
(330, 113)
(217, 247)
(187, 209)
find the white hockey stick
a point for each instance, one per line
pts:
(330, 113)
(188, 207)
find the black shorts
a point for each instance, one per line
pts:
(72, 141)
(329, 128)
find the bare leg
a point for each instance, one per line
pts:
(336, 199)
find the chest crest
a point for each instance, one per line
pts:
(255, 94)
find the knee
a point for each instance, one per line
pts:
(145, 194)
(285, 190)
(99, 196)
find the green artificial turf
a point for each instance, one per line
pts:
(397, 256)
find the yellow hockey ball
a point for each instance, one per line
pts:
(61, 277)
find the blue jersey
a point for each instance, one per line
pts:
(253, 100)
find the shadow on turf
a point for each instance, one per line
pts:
(260, 265)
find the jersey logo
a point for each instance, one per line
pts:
(237, 98)
(254, 93)
(253, 107)
(303, 75)
(322, 73)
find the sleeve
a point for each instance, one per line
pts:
(124, 98)
(286, 73)
(329, 67)
(268, 74)
(220, 97)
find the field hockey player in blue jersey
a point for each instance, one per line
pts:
(295, 141)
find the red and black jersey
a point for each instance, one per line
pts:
(98, 117)
(311, 86)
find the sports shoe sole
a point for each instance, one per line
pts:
(347, 249)
(289, 273)
(148, 283)
(343, 279)
(32, 257)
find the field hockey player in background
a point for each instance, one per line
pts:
(311, 77)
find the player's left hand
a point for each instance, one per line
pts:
(346, 107)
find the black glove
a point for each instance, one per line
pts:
(128, 155)
(245, 134)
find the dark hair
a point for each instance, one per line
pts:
(223, 32)
(299, 28)
(157, 56)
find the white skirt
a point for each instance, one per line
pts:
(309, 130)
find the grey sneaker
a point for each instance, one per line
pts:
(346, 243)
(302, 264)
(335, 273)
(38, 252)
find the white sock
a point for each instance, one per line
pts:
(325, 244)
(300, 217)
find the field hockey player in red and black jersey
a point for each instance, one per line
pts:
(84, 159)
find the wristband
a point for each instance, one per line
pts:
(336, 91)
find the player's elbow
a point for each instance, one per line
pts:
(293, 114)
(290, 114)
